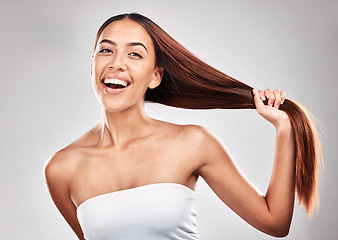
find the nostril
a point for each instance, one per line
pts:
(119, 68)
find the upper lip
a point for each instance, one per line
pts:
(114, 76)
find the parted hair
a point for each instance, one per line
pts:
(190, 83)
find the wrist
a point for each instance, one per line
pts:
(283, 124)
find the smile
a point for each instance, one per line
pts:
(115, 83)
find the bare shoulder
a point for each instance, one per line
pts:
(64, 161)
(195, 138)
(206, 146)
(198, 135)
(59, 171)
(61, 164)
(195, 131)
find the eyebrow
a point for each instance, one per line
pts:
(128, 44)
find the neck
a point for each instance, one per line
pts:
(119, 128)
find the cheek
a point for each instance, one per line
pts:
(96, 72)
(97, 68)
(143, 71)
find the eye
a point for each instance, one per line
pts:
(135, 54)
(105, 50)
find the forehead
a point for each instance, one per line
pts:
(125, 31)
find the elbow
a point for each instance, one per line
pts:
(281, 233)
(279, 230)
(277, 224)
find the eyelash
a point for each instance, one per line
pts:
(133, 54)
(105, 50)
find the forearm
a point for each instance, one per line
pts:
(281, 191)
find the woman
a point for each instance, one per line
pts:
(132, 177)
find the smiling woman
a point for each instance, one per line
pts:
(133, 177)
(126, 47)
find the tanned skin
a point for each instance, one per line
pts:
(127, 148)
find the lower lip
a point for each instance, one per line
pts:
(113, 91)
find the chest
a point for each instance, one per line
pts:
(112, 170)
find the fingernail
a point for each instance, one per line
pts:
(254, 91)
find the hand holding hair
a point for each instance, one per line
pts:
(267, 104)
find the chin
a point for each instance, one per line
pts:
(112, 106)
(113, 110)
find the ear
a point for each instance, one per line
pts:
(157, 77)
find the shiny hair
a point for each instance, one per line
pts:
(190, 83)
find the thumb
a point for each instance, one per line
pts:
(258, 101)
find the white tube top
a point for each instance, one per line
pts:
(159, 211)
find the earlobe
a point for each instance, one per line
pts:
(157, 78)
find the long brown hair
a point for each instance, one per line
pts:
(190, 83)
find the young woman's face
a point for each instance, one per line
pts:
(123, 65)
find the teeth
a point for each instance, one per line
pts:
(115, 81)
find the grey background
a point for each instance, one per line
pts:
(46, 98)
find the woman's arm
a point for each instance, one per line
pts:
(58, 174)
(271, 213)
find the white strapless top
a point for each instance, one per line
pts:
(159, 211)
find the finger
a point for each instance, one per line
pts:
(262, 95)
(258, 101)
(283, 95)
(278, 98)
(270, 96)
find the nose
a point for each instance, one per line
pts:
(117, 62)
